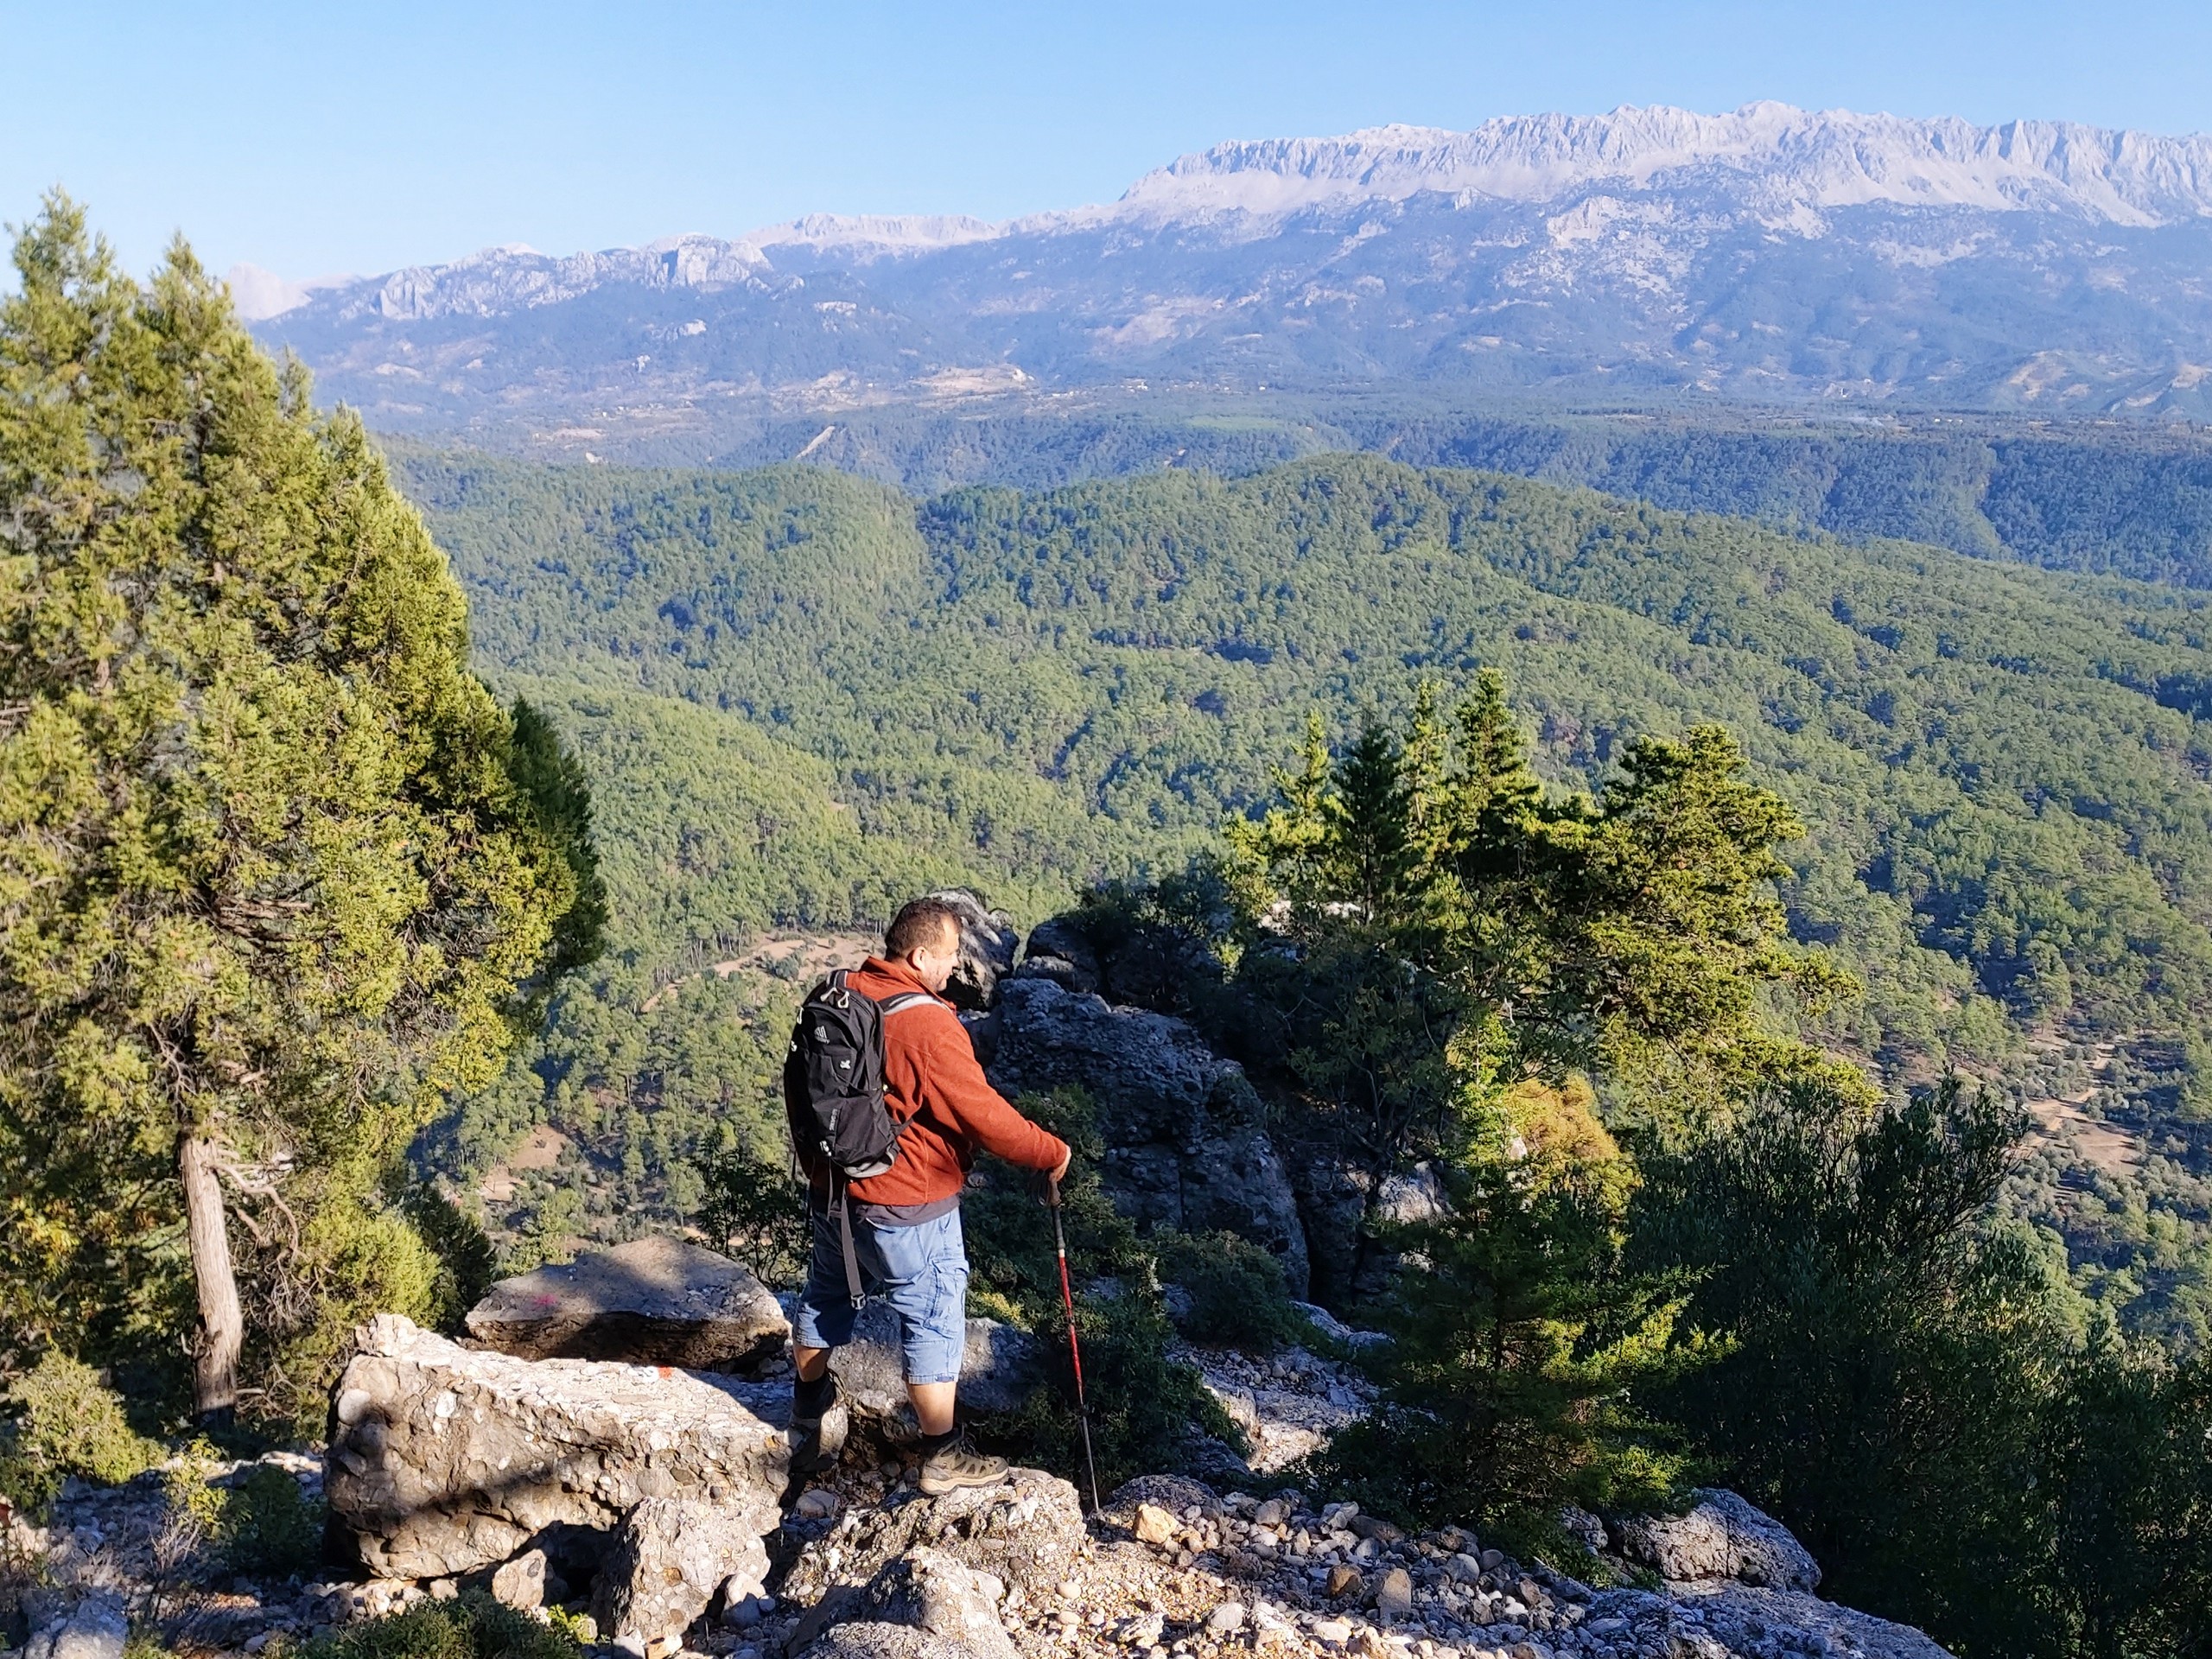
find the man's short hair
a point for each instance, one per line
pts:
(923, 921)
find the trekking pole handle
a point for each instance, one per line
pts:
(1052, 1193)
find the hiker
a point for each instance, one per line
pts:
(905, 1241)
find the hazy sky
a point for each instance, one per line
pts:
(311, 138)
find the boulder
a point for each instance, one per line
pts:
(1184, 1147)
(1723, 1538)
(999, 1368)
(877, 1639)
(96, 1628)
(1026, 1532)
(1735, 1619)
(444, 1459)
(670, 1559)
(933, 1592)
(988, 941)
(654, 1301)
(1058, 949)
(1173, 1493)
(520, 1583)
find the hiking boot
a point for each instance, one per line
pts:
(957, 1463)
(818, 1432)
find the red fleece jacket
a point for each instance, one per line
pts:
(933, 1085)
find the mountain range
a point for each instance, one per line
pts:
(1769, 256)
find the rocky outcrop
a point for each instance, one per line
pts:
(999, 1365)
(1024, 1536)
(1721, 1539)
(1184, 1145)
(445, 1460)
(671, 1557)
(96, 1628)
(654, 1301)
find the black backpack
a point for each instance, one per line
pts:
(833, 1083)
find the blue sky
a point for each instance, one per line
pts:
(312, 138)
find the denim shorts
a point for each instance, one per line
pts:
(921, 1270)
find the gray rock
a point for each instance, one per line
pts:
(444, 1459)
(520, 1583)
(96, 1628)
(1028, 1532)
(1734, 1618)
(1184, 1144)
(1060, 950)
(999, 1368)
(1722, 1537)
(1394, 1596)
(654, 1301)
(877, 1639)
(670, 1559)
(988, 941)
(1173, 1493)
(950, 1600)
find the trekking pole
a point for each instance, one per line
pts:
(1074, 1348)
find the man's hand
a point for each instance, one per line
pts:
(1060, 1170)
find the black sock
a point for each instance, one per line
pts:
(809, 1399)
(933, 1444)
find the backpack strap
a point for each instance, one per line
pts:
(845, 1237)
(891, 1005)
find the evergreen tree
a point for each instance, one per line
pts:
(267, 881)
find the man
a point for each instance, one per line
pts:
(906, 1221)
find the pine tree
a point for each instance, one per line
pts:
(267, 881)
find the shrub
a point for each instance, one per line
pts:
(473, 1626)
(1238, 1297)
(268, 1526)
(66, 1421)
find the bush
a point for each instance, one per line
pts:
(1142, 1405)
(473, 1626)
(1238, 1298)
(267, 1525)
(66, 1421)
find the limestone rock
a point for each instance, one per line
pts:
(1171, 1493)
(1394, 1596)
(948, 1599)
(1722, 1537)
(1154, 1526)
(1059, 950)
(875, 1639)
(96, 1628)
(999, 1368)
(669, 1558)
(444, 1459)
(521, 1583)
(1028, 1532)
(654, 1301)
(1184, 1145)
(1734, 1618)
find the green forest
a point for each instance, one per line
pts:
(797, 692)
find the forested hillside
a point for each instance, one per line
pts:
(2001, 768)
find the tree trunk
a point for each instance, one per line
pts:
(222, 1326)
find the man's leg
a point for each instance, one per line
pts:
(925, 1277)
(823, 1322)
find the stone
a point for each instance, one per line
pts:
(951, 1600)
(1154, 1526)
(670, 1559)
(1273, 1513)
(1463, 1569)
(1176, 1494)
(1226, 1619)
(465, 1457)
(520, 1583)
(1394, 1596)
(96, 1628)
(817, 1504)
(1369, 1526)
(1722, 1537)
(1345, 1580)
(1059, 950)
(1027, 1533)
(876, 1639)
(654, 1301)
(1184, 1147)
(1336, 1632)
(999, 1367)
(1580, 1523)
